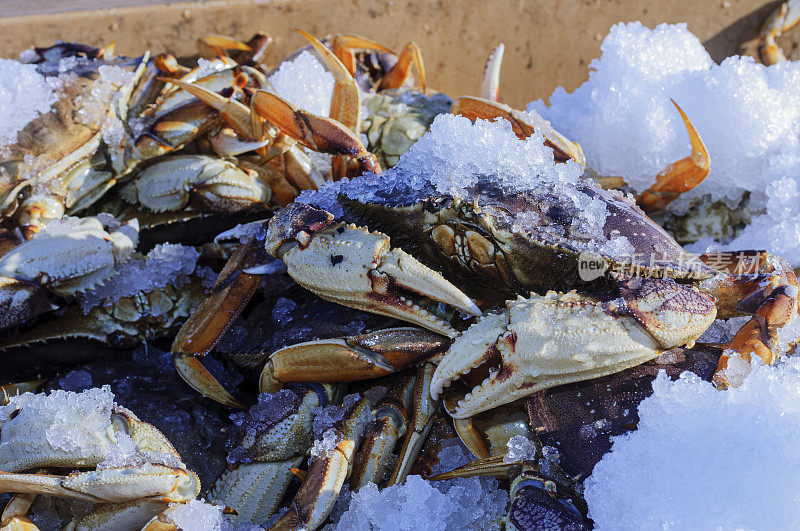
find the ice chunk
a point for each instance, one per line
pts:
(746, 113)
(24, 95)
(704, 458)
(305, 82)
(166, 263)
(75, 381)
(60, 423)
(520, 448)
(325, 417)
(328, 443)
(464, 503)
(124, 453)
(197, 515)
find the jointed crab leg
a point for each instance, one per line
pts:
(211, 319)
(425, 409)
(216, 45)
(343, 46)
(524, 125)
(314, 132)
(784, 18)
(327, 474)
(361, 357)
(9, 390)
(679, 177)
(13, 517)
(345, 102)
(398, 75)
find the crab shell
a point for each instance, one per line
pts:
(493, 253)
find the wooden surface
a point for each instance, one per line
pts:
(548, 42)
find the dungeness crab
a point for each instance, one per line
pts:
(513, 229)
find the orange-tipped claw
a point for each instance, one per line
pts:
(490, 81)
(217, 45)
(318, 133)
(234, 112)
(344, 47)
(398, 75)
(345, 102)
(524, 124)
(782, 19)
(679, 177)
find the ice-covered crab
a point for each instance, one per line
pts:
(67, 257)
(502, 218)
(84, 447)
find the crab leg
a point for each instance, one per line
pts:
(490, 81)
(784, 18)
(13, 517)
(314, 132)
(327, 474)
(524, 125)
(424, 413)
(162, 483)
(254, 489)
(213, 317)
(679, 177)
(398, 75)
(351, 266)
(345, 102)
(361, 357)
(772, 331)
(211, 46)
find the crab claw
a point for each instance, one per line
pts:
(361, 357)
(524, 125)
(357, 268)
(216, 45)
(541, 342)
(784, 18)
(490, 81)
(9, 390)
(317, 133)
(679, 177)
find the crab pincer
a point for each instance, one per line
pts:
(361, 271)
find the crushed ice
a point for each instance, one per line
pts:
(305, 82)
(166, 263)
(462, 503)
(747, 114)
(24, 95)
(700, 455)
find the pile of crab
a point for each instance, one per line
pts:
(490, 290)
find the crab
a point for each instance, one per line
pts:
(115, 116)
(131, 471)
(68, 257)
(649, 296)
